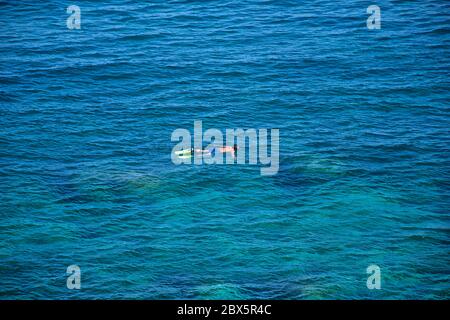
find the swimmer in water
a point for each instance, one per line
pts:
(225, 149)
(198, 151)
(190, 152)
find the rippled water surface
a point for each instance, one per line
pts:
(86, 177)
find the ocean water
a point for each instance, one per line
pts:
(86, 178)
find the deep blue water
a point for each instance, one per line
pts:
(86, 177)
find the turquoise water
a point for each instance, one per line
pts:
(86, 175)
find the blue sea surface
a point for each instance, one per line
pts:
(86, 176)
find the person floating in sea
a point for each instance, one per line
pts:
(191, 152)
(212, 151)
(225, 149)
